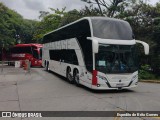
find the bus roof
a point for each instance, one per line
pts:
(30, 44)
(90, 20)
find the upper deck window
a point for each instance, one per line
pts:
(112, 29)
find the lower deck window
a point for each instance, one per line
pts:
(68, 56)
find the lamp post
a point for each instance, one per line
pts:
(18, 40)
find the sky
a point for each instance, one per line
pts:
(29, 9)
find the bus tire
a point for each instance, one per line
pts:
(68, 75)
(76, 77)
(45, 63)
(47, 66)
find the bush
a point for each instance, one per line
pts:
(144, 73)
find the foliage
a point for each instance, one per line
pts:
(69, 17)
(145, 73)
(14, 27)
(110, 8)
(7, 25)
(49, 22)
(74, 15)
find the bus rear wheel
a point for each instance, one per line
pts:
(69, 76)
(76, 77)
(47, 66)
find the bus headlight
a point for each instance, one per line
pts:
(101, 77)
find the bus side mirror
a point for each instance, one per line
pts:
(146, 46)
(95, 44)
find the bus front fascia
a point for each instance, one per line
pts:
(96, 41)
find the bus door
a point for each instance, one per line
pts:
(55, 56)
(35, 58)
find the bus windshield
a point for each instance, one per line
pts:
(116, 59)
(37, 53)
(19, 50)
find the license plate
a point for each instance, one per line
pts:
(119, 85)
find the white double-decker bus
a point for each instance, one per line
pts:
(97, 52)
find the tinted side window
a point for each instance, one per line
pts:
(68, 56)
(78, 29)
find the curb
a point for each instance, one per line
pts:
(150, 81)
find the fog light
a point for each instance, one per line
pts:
(98, 85)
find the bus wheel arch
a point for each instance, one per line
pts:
(69, 75)
(76, 76)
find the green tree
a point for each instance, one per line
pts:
(109, 8)
(7, 25)
(69, 17)
(74, 15)
(27, 31)
(13, 27)
(49, 22)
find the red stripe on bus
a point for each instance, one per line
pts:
(94, 77)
